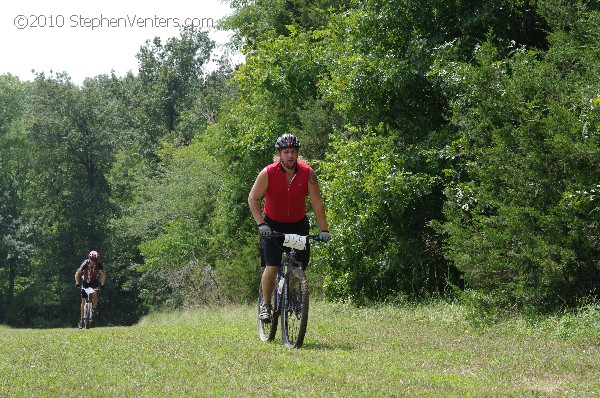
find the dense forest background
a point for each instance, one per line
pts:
(457, 144)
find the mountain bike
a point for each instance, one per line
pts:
(88, 310)
(290, 295)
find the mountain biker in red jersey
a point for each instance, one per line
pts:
(284, 184)
(88, 273)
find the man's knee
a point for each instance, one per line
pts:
(270, 269)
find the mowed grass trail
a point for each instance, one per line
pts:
(388, 351)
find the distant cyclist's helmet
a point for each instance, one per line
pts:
(94, 256)
(287, 141)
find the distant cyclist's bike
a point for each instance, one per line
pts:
(290, 296)
(88, 310)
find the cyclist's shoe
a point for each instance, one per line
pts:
(265, 313)
(95, 313)
(80, 324)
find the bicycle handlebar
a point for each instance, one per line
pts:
(295, 241)
(283, 235)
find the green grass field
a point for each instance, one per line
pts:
(388, 351)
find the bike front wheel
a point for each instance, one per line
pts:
(294, 308)
(87, 315)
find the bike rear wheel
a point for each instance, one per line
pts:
(267, 329)
(294, 308)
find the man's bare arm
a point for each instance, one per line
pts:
(316, 201)
(256, 193)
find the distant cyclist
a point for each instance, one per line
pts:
(88, 273)
(285, 184)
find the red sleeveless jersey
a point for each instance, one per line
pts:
(286, 203)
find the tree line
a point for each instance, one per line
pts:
(456, 142)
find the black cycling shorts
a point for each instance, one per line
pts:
(271, 249)
(95, 285)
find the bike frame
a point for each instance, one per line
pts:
(88, 307)
(294, 242)
(287, 262)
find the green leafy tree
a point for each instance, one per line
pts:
(521, 209)
(15, 228)
(170, 218)
(258, 22)
(378, 212)
(70, 130)
(169, 77)
(168, 103)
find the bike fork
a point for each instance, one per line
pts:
(279, 281)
